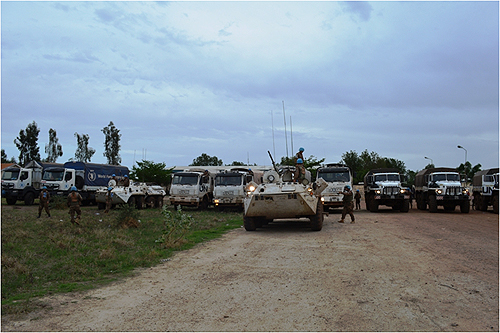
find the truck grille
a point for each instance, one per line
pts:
(391, 190)
(7, 186)
(453, 190)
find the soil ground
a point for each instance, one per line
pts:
(389, 271)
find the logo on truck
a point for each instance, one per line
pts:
(91, 176)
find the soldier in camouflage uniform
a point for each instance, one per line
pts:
(348, 204)
(44, 201)
(300, 171)
(74, 202)
(109, 199)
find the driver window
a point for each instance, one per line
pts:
(68, 176)
(24, 175)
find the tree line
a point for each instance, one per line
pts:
(149, 171)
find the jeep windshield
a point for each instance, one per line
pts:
(53, 175)
(387, 178)
(12, 174)
(185, 180)
(451, 177)
(228, 180)
(341, 176)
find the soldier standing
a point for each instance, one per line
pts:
(357, 197)
(348, 204)
(74, 202)
(300, 171)
(126, 181)
(109, 199)
(44, 201)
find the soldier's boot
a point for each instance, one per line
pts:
(341, 221)
(48, 215)
(77, 221)
(39, 215)
(353, 221)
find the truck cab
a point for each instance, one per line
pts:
(193, 187)
(384, 187)
(440, 187)
(337, 176)
(229, 189)
(485, 189)
(59, 179)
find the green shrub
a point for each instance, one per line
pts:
(128, 217)
(177, 224)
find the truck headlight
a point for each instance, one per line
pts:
(250, 188)
(439, 191)
(378, 191)
(322, 199)
(402, 191)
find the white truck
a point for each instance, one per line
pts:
(193, 187)
(485, 189)
(136, 194)
(337, 176)
(229, 189)
(440, 187)
(24, 184)
(384, 187)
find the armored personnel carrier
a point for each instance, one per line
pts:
(137, 195)
(279, 197)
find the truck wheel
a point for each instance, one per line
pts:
(317, 220)
(495, 203)
(421, 202)
(11, 200)
(204, 203)
(477, 201)
(29, 198)
(433, 208)
(406, 206)
(249, 223)
(483, 204)
(372, 205)
(465, 207)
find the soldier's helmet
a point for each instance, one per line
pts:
(347, 187)
(301, 149)
(299, 161)
(44, 188)
(73, 188)
(110, 188)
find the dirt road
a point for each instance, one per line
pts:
(389, 271)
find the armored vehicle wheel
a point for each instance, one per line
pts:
(159, 202)
(150, 202)
(131, 201)
(495, 203)
(465, 207)
(317, 220)
(139, 201)
(29, 198)
(11, 200)
(433, 208)
(249, 223)
(406, 206)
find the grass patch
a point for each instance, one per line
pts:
(42, 256)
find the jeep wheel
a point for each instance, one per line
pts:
(433, 204)
(249, 223)
(465, 207)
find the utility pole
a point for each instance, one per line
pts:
(284, 120)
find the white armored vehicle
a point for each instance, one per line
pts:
(279, 197)
(137, 194)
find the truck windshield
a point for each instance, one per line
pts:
(185, 180)
(228, 180)
(387, 177)
(53, 175)
(341, 176)
(10, 174)
(454, 177)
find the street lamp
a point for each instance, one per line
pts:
(427, 158)
(465, 153)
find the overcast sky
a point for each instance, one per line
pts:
(407, 80)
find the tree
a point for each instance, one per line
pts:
(148, 171)
(469, 171)
(83, 152)
(5, 159)
(112, 144)
(53, 149)
(206, 160)
(27, 144)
